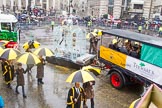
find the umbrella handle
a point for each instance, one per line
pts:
(76, 99)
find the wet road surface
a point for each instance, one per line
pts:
(53, 93)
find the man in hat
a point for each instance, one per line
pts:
(8, 72)
(20, 79)
(75, 96)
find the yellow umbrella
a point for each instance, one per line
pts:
(3, 42)
(94, 70)
(98, 32)
(1, 50)
(114, 41)
(31, 44)
(89, 35)
(43, 52)
(134, 103)
(28, 58)
(80, 76)
(9, 54)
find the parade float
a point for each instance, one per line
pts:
(139, 64)
(8, 31)
(70, 47)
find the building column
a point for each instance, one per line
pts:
(33, 4)
(47, 5)
(26, 6)
(58, 4)
(19, 4)
(117, 9)
(53, 4)
(4, 3)
(12, 4)
(41, 3)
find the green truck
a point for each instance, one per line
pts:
(8, 30)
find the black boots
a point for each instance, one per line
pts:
(24, 96)
(40, 81)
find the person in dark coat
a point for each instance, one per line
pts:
(124, 50)
(40, 70)
(92, 44)
(20, 79)
(75, 96)
(95, 44)
(8, 72)
(89, 92)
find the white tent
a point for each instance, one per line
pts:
(7, 18)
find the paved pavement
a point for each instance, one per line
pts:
(53, 93)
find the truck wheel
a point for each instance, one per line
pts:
(116, 80)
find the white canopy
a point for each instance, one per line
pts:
(7, 18)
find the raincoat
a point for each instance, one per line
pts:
(20, 77)
(140, 28)
(88, 89)
(160, 29)
(89, 23)
(52, 23)
(40, 69)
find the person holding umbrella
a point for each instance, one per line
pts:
(28, 46)
(40, 70)
(8, 72)
(76, 93)
(75, 96)
(20, 79)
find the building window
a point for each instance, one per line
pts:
(111, 2)
(110, 10)
(138, 6)
(123, 2)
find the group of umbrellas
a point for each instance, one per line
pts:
(83, 75)
(27, 57)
